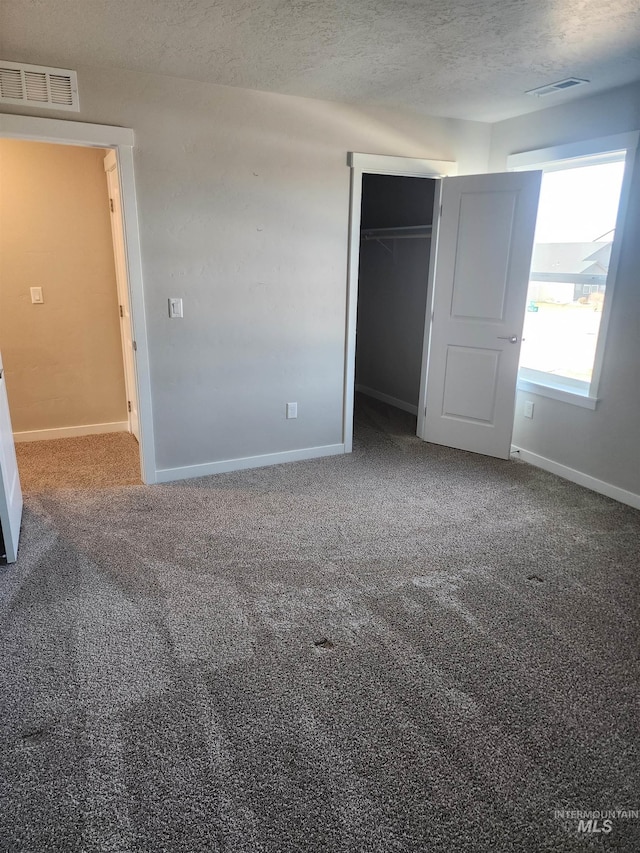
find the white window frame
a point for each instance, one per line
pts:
(559, 157)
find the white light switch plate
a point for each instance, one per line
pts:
(36, 296)
(175, 307)
(292, 410)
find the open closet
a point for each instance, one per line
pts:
(395, 246)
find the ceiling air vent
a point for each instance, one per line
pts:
(37, 86)
(560, 86)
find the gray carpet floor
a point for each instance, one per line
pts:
(406, 649)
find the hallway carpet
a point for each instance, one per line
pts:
(406, 649)
(89, 461)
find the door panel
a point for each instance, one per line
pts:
(482, 254)
(470, 384)
(117, 233)
(10, 491)
(485, 240)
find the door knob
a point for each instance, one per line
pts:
(513, 339)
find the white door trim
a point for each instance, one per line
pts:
(424, 367)
(121, 139)
(380, 164)
(120, 259)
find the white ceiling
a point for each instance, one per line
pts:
(461, 58)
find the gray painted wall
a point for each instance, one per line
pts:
(601, 443)
(392, 287)
(243, 202)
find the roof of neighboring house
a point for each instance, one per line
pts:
(567, 258)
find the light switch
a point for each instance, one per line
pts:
(36, 296)
(292, 410)
(175, 307)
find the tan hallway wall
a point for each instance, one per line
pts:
(63, 359)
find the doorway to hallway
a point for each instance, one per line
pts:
(65, 330)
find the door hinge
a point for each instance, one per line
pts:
(111, 205)
(135, 346)
(129, 405)
(121, 311)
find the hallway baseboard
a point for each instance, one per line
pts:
(70, 432)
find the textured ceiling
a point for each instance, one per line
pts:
(460, 58)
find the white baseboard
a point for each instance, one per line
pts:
(578, 477)
(168, 475)
(386, 398)
(70, 432)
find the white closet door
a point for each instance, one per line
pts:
(485, 241)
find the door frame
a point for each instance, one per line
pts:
(380, 164)
(122, 285)
(121, 140)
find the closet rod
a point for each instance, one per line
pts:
(404, 232)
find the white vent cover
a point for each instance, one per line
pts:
(37, 86)
(560, 86)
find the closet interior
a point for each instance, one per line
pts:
(395, 246)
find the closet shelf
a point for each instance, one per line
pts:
(405, 232)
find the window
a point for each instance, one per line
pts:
(573, 264)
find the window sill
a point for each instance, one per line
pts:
(564, 395)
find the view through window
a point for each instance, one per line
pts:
(574, 235)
